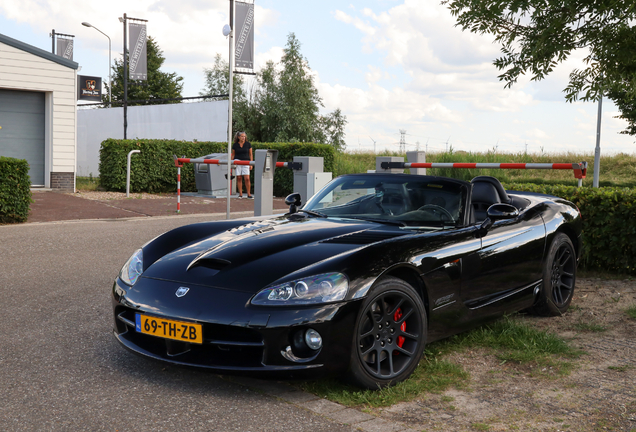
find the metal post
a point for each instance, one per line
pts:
(125, 78)
(229, 114)
(128, 172)
(597, 150)
(53, 41)
(110, 82)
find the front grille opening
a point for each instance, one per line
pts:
(223, 345)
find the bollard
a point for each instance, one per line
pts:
(264, 167)
(128, 172)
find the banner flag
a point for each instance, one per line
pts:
(65, 48)
(89, 88)
(138, 65)
(244, 49)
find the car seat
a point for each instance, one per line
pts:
(486, 192)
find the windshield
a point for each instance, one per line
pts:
(413, 200)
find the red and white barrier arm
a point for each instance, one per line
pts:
(222, 162)
(580, 169)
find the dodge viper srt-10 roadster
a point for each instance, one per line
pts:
(356, 282)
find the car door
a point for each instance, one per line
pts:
(508, 261)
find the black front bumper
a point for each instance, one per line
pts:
(237, 337)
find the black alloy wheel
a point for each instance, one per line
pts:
(559, 278)
(390, 335)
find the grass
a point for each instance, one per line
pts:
(624, 368)
(589, 327)
(510, 340)
(89, 183)
(631, 312)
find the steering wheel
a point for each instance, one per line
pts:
(437, 210)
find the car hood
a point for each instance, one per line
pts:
(252, 256)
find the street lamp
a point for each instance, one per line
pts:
(110, 84)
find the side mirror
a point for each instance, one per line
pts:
(293, 201)
(496, 212)
(502, 211)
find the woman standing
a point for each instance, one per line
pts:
(242, 150)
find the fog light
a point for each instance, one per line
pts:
(313, 339)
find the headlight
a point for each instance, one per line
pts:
(324, 288)
(133, 268)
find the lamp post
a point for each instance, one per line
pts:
(228, 30)
(110, 84)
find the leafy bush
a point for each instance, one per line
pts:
(15, 190)
(153, 169)
(609, 223)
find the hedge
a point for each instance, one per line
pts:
(15, 190)
(609, 223)
(153, 169)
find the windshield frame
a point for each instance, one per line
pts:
(411, 216)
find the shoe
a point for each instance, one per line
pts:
(240, 197)
(250, 197)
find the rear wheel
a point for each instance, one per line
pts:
(390, 335)
(559, 278)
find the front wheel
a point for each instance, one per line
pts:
(390, 335)
(559, 278)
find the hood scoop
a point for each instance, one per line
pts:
(364, 237)
(210, 263)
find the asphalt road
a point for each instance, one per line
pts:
(60, 366)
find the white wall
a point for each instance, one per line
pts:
(21, 70)
(202, 121)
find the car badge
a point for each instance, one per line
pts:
(182, 291)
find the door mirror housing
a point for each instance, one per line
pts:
(293, 201)
(502, 211)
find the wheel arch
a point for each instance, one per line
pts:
(571, 233)
(412, 277)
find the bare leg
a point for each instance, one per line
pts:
(239, 180)
(248, 185)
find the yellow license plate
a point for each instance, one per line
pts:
(169, 329)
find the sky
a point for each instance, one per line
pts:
(389, 65)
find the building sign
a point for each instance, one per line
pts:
(137, 67)
(90, 88)
(244, 49)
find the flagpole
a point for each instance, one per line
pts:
(229, 114)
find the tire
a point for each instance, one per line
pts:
(390, 335)
(559, 278)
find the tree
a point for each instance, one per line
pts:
(537, 35)
(159, 85)
(217, 80)
(281, 104)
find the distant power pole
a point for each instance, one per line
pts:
(402, 141)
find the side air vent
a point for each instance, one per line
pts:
(364, 237)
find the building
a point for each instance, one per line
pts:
(38, 112)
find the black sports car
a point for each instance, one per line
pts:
(356, 282)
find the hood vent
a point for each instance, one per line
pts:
(210, 263)
(364, 237)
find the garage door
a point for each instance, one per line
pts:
(22, 133)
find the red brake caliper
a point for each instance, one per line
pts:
(396, 317)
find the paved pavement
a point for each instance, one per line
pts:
(60, 367)
(54, 206)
